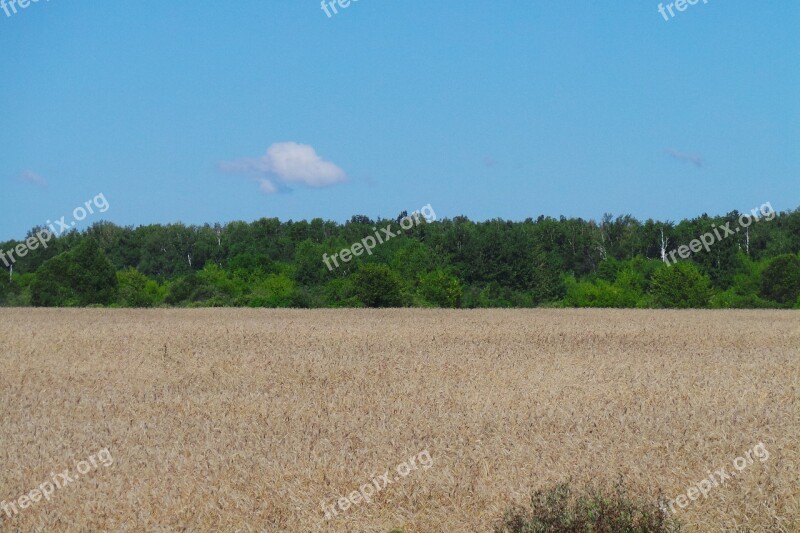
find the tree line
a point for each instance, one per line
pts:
(564, 262)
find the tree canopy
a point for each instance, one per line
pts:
(616, 262)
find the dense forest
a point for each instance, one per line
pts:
(566, 262)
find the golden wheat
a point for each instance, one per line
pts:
(247, 420)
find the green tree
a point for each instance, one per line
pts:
(599, 293)
(376, 285)
(6, 287)
(680, 286)
(412, 260)
(440, 288)
(744, 290)
(180, 291)
(133, 289)
(501, 263)
(780, 281)
(92, 275)
(80, 277)
(547, 283)
(52, 287)
(17, 292)
(210, 287)
(276, 290)
(340, 292)
(216, 284)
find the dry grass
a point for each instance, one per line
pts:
(247, 419)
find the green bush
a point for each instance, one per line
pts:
(9, 290)
(440, 288)
(559, 509)
(134, 289)
(601, 293)
(489, 295)
(680, 286)
(376, 285)
(780, 281)
(210, 287)
(80, 277)
(731, 299)
(609, 269)
(276, 290)
(339, 292)
(180, 290)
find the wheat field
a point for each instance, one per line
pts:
(251, 420)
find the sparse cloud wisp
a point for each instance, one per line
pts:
(32, 177)
(696, 160)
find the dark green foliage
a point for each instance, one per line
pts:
(340, 292)
(136, 290)
(744, 290)
(377, 286)
(680, 286)
(560, 510)
(780, 281)
(599, 294)
(310, 270)
(609, 269)
(52, 286)
(451, 262)
(276, 290)
(16, 292)
(413, 260)
(440, 288)
(92, 275)
(620, 284)
(209, 287)
(182, 289)
(80, 277)
(6, 287)
(546, 278)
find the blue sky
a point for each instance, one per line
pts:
(488, 109)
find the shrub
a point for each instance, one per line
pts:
(92, 275)
(133, 289)
(680, 286)
(180, 290)
(273, 291)
(440, 288)
(780, 281)
(731, 299)
(79, 277)
(339, 292)
(559, 509)
(600, 293)
(376, 285)
(9, 290)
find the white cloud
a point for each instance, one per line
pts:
(30, 176)
(287, 163)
